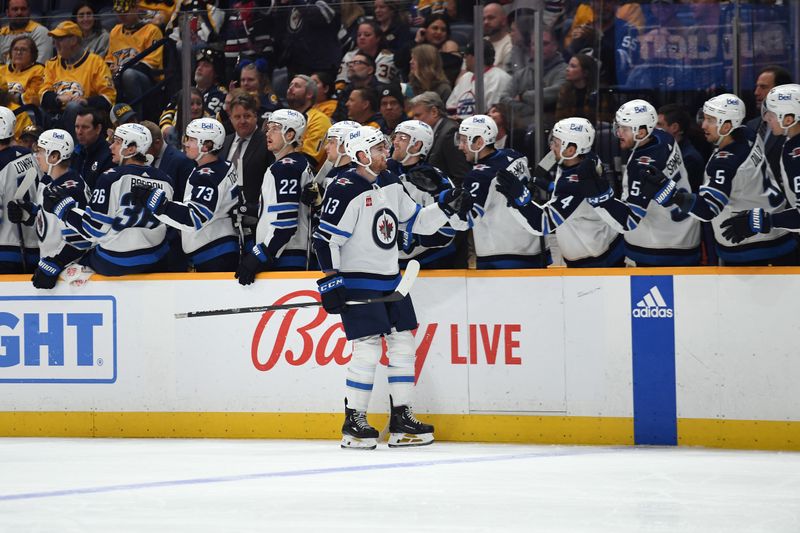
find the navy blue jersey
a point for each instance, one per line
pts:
(14, 162)
(790, 176)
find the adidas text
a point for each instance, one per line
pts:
(652, 312)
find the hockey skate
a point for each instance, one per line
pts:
(405, 429)
(356, 431)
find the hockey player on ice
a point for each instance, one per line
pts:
(356, 244)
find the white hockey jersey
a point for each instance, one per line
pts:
(14, 163)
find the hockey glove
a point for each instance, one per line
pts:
(245, 215)
(46, 274)
(425, 179)
(745, 224)
(510, 186)
(407, 241)
(56, 200)
(251, 264)
(657, 186)
(151, 198)
(332, 292)
(21, 212)
(312, 195)
(592, 184)
(454, 201)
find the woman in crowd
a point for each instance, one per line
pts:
(174, 134)
(578, 96)
(370, 41)
(254, 78)
(352, 16)
(22, 74)
(437, 33)
(427, 73)
(95, 37)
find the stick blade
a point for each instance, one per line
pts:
(409, 277)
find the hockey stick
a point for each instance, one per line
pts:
(323, 171)
(19, 194)
(547, 163)
(408, 279)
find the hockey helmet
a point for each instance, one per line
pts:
(134, 134)
(784, 100)
(574, 130)
(725, 108)
(363, 139)
(206, 129)
(340, 130)
(482, 126)
(289, 119)
(417, 131)
(636, 114)
(8, 121)
(56, 141)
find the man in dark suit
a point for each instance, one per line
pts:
(769, 77)
(246, 148)
(92, 155)
(444, 154)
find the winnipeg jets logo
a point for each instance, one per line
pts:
(205, 170)
(645, 160)
(286, 161)
(343, 181)
(480, 167)
(384, 229)
(795, 153)
(722, 154)
(573, 178)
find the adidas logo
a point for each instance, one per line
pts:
(652, 306)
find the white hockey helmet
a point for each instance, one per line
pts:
(574, 130)
(289, 119)
(637, 114)
(206, 129)
(56, 141)
(136, 134)
(725, 108)
(418, 131)
(340, 130)
(363, 139)
(784, 100)
(8, 121)
(471, 128)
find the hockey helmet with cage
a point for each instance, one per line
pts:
(134, 134)
(574, 130)
(8, 121)
(636, 114)
(417, 131)
(289, 119)
(725, 108)
(784, 100)
(363, 139)
(206, 129)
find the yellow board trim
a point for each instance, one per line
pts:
(735, 434)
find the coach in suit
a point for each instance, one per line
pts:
(246, 148)
(444, 154)
(170, 160)
(768, 78)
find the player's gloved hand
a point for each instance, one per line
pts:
(772, 192)
(56, 200)
(251, 264)
(454, 201)
(151, 198)
(657, 186)
(510, 186)
(424, 178)
(406, 241)
(744, 224)
(542, 179)
(21, 212)
(332, 291)
(245, 215)
(46, 274)
(311, 195)
(593, 184)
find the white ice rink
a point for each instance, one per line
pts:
(65, 485)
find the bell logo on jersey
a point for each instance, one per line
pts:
(58, 339)
(652, 305)
(384, 229)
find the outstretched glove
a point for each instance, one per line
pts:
(510, 186)
(46, 274)
(57, 200)
(151, 198)
(251, 264)
(745, 224)
(593, 184)
(21, 212)
(311, 195)
(657, 186)
(454, 201)
(424, 178)
(332, 292)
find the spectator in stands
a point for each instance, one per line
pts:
(246, 148)
(769, 77)
(578, 95)
(675, 120)
(92, 155)
(392, 107)
(325, 101)
(20, 23)
(123, 113)
(352, 16)
(22, 74)
(310, 41)
(75, 78)
(428, 8)
(521, 33)
(173, 132)
(209, 79)
(158, 12)
(500, 115)
(393, 22)
(29, 136)
(370, 42)
(523, 83)
(361, 72)
(436, 32)
(496, 85)
(22, 119)
(254, 78)
(444, 154)
(126, 40)
(300, 96)
(362, 107)
(495, 28)
(427, 73)
(95, 36)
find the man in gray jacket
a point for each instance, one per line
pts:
(521, 103)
